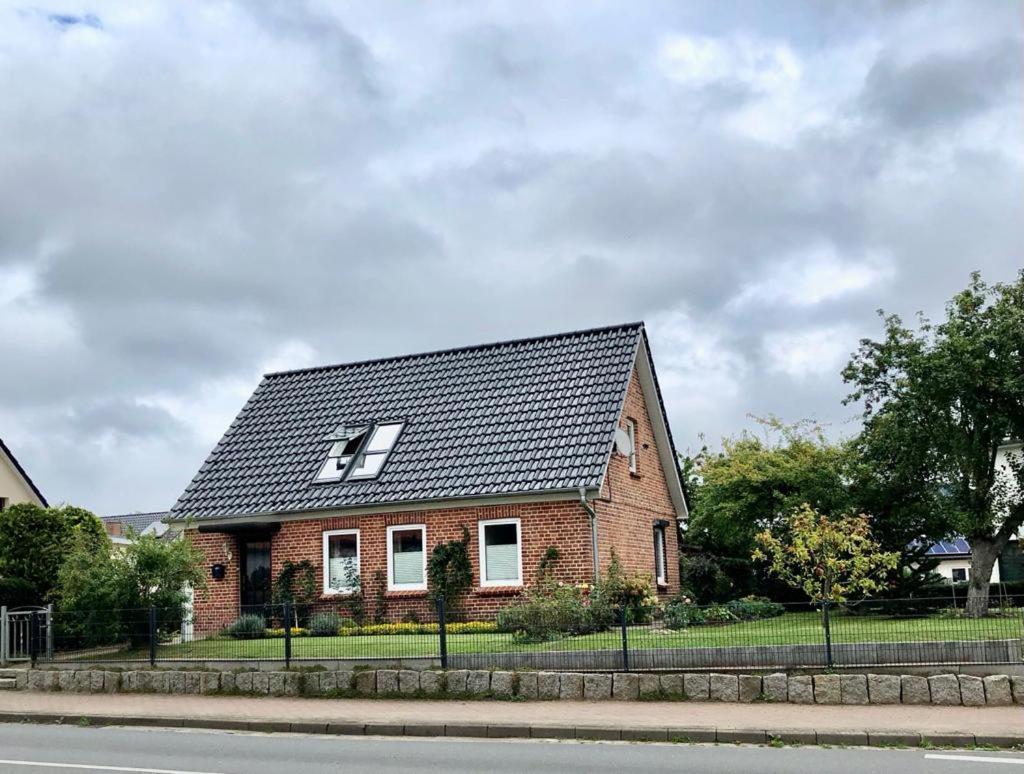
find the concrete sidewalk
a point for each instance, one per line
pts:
(656, 721)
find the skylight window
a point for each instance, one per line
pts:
(358, 452)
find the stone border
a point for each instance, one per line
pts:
(945, 690)
(679, 734)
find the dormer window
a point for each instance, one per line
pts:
(358, 452)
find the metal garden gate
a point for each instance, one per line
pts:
(25, 633)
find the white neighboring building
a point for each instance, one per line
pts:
(15, 484)
(955, 560)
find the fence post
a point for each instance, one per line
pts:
(4, 636)
(33, 637)
(152, 635)
(287, 635)
(625, 638)
(828, 632)
(49, 632)
(442, 631)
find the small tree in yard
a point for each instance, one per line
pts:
(945, 400)
(828, 559)
(101, 592)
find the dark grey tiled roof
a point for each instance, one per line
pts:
(532, 415)
(137, 521)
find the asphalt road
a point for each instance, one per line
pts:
(26, 749)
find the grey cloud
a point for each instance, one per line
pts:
(120, 418)
(944, 88)
(206, 200)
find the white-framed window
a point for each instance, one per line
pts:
(660, 555)
(407, 557)
(633, 454)
(3, 503)
(959, 574)
(501, 552)
(341, 560)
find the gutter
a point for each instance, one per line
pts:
(593, 532)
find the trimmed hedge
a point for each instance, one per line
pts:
(388, 629)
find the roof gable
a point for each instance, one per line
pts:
(528, 416)
(21, 474)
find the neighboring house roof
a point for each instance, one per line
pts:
(139, 522)
(948, 549)
(527, 416)
(21, 472)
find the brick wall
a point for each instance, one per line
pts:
(627, 509)
(631, 502)
(562, 524)
(217, 605)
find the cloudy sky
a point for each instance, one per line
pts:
(192, 194)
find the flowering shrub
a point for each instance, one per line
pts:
(376, 630)
(633, 592)
(297, 631)
(467, 627)
(551, 609)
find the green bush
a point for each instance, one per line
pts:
(634, 592)
(324, 625)
(681, 612)
(247, 627)
(17, 592)
(35, 542)
(551, 610)
(754, 608)
(703, 574)
(347, 623)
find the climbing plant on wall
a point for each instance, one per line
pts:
(296, 584)
(450, 571)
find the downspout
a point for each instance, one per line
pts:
(593, 532)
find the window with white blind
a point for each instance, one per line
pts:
(660, 555)
(407, 557)
(501, 553)
(341, 561)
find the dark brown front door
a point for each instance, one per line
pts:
(255, 564)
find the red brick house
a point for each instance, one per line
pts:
(365, 467)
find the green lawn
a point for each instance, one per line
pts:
(789, 629)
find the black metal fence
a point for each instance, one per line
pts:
(866, 633)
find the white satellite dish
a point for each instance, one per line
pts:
(623, 443)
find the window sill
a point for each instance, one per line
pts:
(405, 593)
(635, 475)
(499, 591)
(328, 596)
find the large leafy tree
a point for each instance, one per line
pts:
(35, 542)
(885, 479)
(754, 483)
(943, 401)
